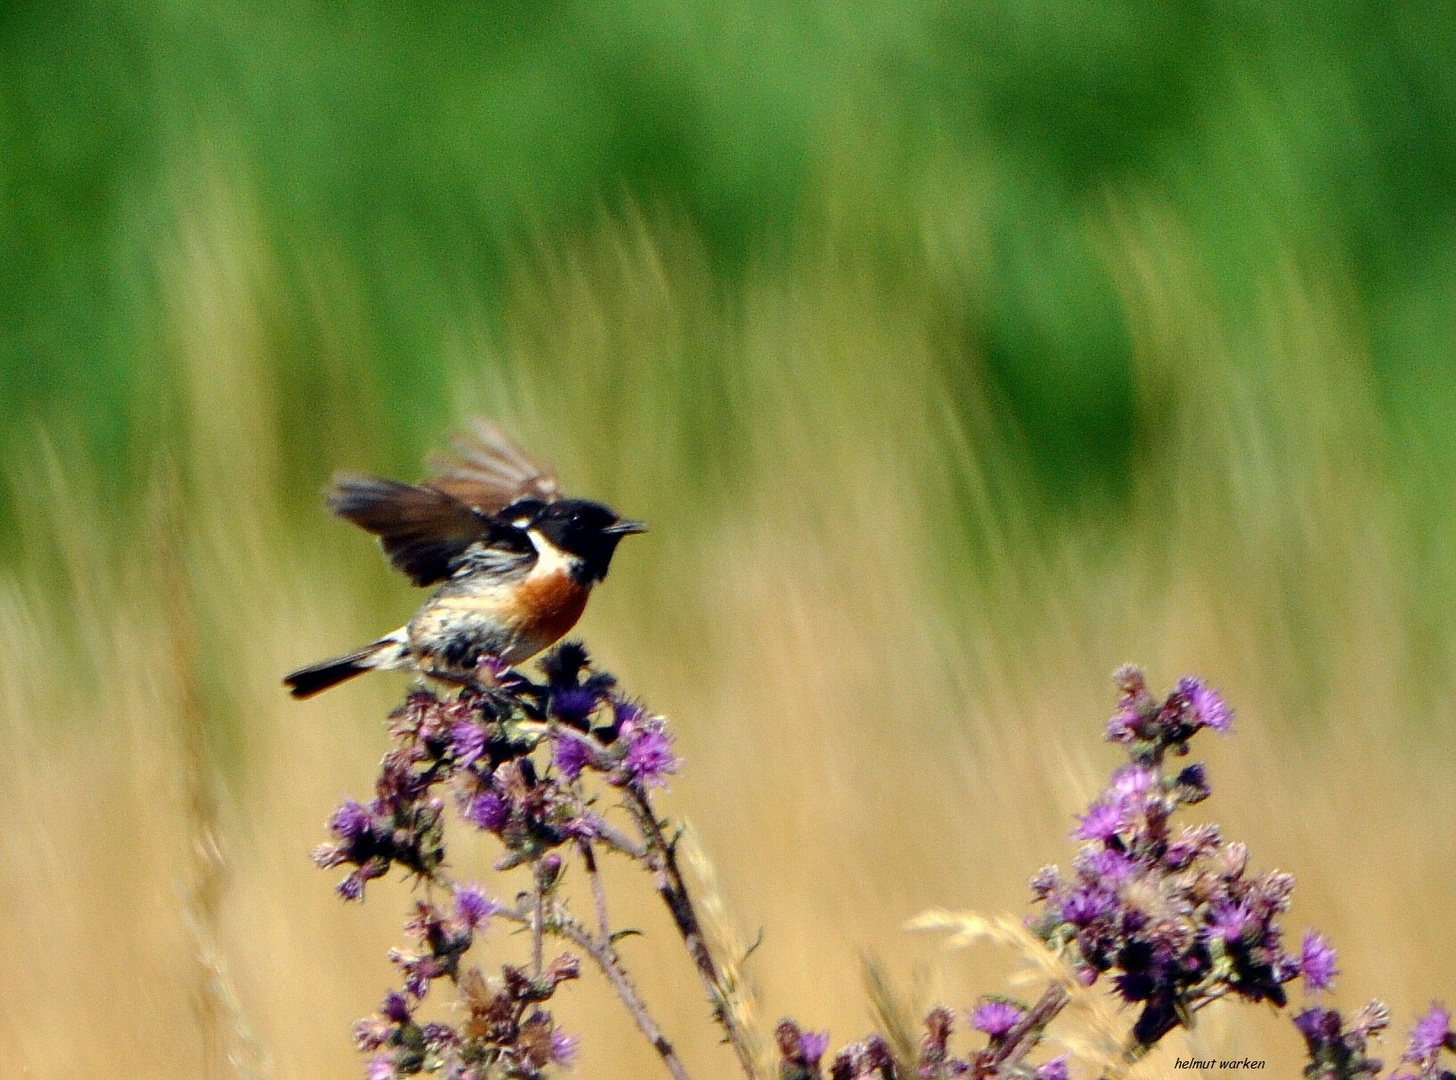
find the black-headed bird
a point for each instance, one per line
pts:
(514, 561)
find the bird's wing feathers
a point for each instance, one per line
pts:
(508, 553)
(490, 471)
(426, 529)
(422, 529)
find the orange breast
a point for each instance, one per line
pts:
(554, 603)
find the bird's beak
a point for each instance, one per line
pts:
(626, 528)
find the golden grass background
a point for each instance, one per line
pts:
(886, 705)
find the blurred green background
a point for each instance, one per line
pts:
(956, 353)
(414, 148)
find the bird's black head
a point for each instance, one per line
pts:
(588, 530)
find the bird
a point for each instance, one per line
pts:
(513, 560)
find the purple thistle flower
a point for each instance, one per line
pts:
(1055, 1069)
(1317, 962)
(380, 1067)
(399, 827)
(1318, 1026)
(473, 907)
(649, 757)
(1131, 785)
(1108, 868)
(352, 887)
(395, 1007)
(487, 811)
(563, 1048)
(791, 1044)
(1228, 920)
(1122, 728)
(812, 1045)
(1430, 1033)
(574, 706)
(1086, 906)
(995, 1018)
(1207, 705)
(570, 755)
(627, 713)
(351, 820)
(467, 741)
(1101, 822)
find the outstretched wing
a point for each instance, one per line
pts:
(423, 530)
(489, 471)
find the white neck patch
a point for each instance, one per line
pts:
(550, 559)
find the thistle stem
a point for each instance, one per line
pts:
(538, 913)
(605, 957)
(599, 894)
(661, 859)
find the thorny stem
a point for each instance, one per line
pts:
(538, 913)
(605, 957)
(614, 837)
(661, 859)
(599, 894)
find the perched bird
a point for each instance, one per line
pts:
(514, 561)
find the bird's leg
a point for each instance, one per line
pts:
(454, 678)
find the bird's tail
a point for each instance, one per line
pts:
(387, 652)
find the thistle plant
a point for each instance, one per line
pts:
(1172, 916)
(1167, 917)
(517, 759)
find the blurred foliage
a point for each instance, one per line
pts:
(419, 146)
